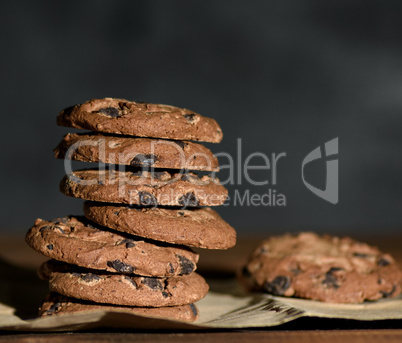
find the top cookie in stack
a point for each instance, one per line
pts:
(140, 222)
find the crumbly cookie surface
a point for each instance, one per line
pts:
(56, 304)
(325, 268)
(137, 152)
(126, 290)
(120, 116)
(144, 188)
(77, 241)
(200, 227)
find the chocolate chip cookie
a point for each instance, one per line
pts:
(144, 188)
(55, 304)
(137, 152)
(140, 119)
(330, 269)
(126, 290)
(199, 227)
(77, 241)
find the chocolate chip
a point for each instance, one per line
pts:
(171, 270)
(180, 213)
(147, 199)
(153, 283)
(121, 267)
(128, 242)
(165, 294)
(111, 112)
(358, 254)
(43, 228)
(53, 309)
(382, 262)
(144, 160)
(277, 286)
(90, 277)
(190, 117)
(189, 199)
(49, 246)
(181, 144)
(330, 279)
(388, 294)
(158, 175)
(194, 309)
(129, 279)
(187, 266)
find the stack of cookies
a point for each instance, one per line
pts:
(131, 251)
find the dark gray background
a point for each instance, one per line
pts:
(285, 76)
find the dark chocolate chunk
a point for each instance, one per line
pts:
(147, 199)
(75, 274)
(128, 242)
(330, 279)
(153, 283)
(190, 117)
(131, 281)
(111, 112)
(144, 160)
(382, 262)
(388, 294)
(194, 309)
(187, 267)
(158, 174)
(277, 286)
(189, 199)
(171, 270)
(181, 144)
(165, 294)
(49, 246)
(180, 213)
(121, 267)
(53, 309)
(43, 228)
(90, 277)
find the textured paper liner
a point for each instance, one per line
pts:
(225, 307)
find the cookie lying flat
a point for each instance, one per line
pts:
(76, 241)
(140, 119)
(201, 227)
(144, 188)
(330, 269)
(137, 152)
(118, 289)
(55, 304)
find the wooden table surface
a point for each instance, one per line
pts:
(16, 255)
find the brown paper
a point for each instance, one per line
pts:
(224, 307)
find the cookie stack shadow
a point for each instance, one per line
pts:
(144, 210)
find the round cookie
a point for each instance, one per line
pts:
(200, 227)
(144, 188)
(76, 241)
(137, 152)
(325, 268)
(140, 119)
(119, 289)
(55, 304)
